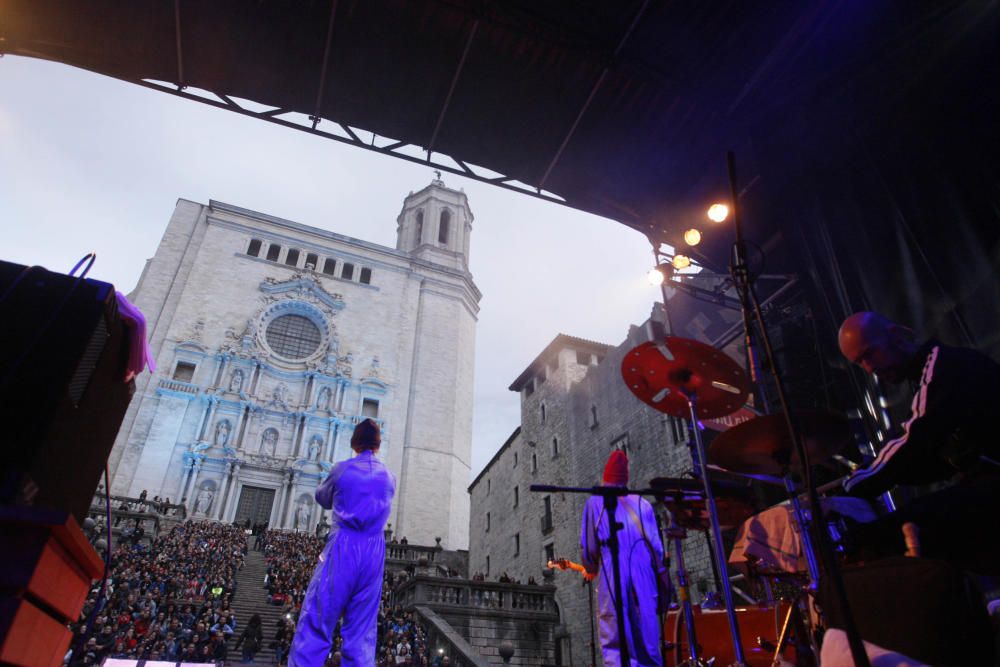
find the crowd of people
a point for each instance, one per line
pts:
(169, 600)
(291, 558)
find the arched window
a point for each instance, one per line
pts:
(443, 227)
(420, 227)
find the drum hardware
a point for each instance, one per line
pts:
(688, 379)
(752, 311)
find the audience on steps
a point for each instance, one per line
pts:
(170, 600)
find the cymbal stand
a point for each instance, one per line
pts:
(713, 519)
(751, 307)
(804, 529)
(677, 534)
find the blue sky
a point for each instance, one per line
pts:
(92, 163)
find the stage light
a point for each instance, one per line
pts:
(681, 262)
(718, 212)
(657, 276)
(692, 237)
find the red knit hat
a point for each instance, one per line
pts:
(616, 469)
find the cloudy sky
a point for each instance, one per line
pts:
(92, 163)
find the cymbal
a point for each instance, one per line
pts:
(663, 374)
(763, 445)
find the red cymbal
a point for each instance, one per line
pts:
(763, 445)
(662, 374)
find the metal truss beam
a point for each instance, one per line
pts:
(352, 139)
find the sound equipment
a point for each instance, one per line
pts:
(62, 388)
(760, 628)
(47, 568)
(928, 610)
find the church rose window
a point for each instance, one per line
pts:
(293, 336)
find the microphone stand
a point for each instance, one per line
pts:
(750, 304)
(610, 494)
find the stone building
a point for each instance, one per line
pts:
(575, 409)
(273, 339)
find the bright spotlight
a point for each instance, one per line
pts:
(681, 262)
(692, 237)
(718, 212)
(655, 277)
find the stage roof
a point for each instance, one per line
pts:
(865, 131)
(623, 108)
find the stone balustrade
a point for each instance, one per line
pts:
(409, 553)
(470, 620)
(178, 386)
(487, 596)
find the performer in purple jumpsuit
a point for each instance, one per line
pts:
(348, 579)
(641, 565)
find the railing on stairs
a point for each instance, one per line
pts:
(443, 639)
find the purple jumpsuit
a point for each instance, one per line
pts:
(348, 579)
(641, 561)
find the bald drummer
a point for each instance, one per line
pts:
(951, 434)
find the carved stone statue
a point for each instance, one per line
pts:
(323, 402)
(222, 430)
(301, 515)
(236, 384)
(345, 365)
(279, 397)
(315, 443)
(203, 502)
(269, 442)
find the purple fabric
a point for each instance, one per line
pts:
(348, 578)
(641, 558)
(139, 356)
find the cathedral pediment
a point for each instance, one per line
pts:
(302, 287)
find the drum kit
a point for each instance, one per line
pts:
(691, 380)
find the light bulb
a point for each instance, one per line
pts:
(655, 277)
(718, 212)
(681, 262)
(692, 237)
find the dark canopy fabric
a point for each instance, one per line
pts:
(865, 131)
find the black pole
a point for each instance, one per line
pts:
(593, 639)
(748, 297)
(610, 504)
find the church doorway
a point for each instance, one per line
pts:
(255, 505)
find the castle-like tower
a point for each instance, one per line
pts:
(273, 339)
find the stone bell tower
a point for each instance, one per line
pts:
(435, 225)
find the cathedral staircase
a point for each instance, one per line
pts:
(250, 599)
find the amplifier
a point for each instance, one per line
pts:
(62, 363)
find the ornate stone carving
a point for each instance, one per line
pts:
(301, 514)
(279, 397)
(236, 383)
(222, 430)
(315, 444)
(323, 400)
(345, 365)
(269, 442)
(203, 502)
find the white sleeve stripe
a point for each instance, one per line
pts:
(918, 407)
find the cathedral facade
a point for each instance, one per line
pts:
(273, 339)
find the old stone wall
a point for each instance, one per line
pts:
(570, 422)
